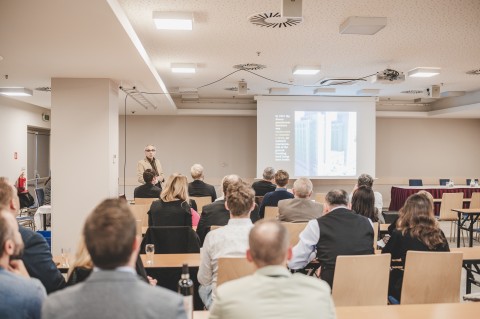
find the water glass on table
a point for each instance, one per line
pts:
(150, 251)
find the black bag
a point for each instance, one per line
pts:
(26, 200)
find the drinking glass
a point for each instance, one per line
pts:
(150, 251)
(65, 254)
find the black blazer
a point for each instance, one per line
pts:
(176, 213)
(200, 188)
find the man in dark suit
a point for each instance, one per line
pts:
(216, 213)
(148, 190)
(36, 256)
(300, 209)
(113, 290)
(281, 192)
(266, 185)
(198, 187)
(338, 232)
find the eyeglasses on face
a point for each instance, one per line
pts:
(150, 150)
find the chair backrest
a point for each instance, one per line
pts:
(431, 277)
(233, 268)
(201, 201)
(415, 182)
(144, 201)
(361, 280)
(475, 200)
(450, 201)
(140, 213)
(171, 240)
(40, 193)
(443, 181)
(375, 234)
(271, 212)
(390, 216)
(294, 230)
(320, 197)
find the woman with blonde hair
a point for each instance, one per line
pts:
(173, 208)
(416, 229)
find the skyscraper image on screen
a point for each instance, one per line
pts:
(325, 143)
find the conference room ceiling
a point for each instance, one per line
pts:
(117, 39)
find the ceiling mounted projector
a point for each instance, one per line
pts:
(388, 76)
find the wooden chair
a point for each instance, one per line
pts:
(201, 201)
(145, 201)
(431, 277)
(450, 201)
(140, 213)
(320, 197)
(294, 230)
(375, 234)
(271, 212)
(361, 280)
(233, 268)
(475, 200)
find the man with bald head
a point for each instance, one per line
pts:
(300, 209)
(272, 292)
(36, 256)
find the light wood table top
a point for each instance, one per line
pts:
(430, 311)
(172, 260)
(384, 227)
(469, 253)
(467, 210)
(144, 229)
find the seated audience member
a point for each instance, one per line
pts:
(198, 187)
(363, 203)
(266, 185)
(36, 255)
(417, 229)
(216, 213)
(272, 292)
(338, 232)
(281, 192)
(173, 208)
(20, 295)
(367, 180)
(114, 290)
(300, 209)
(148, 190)
(47, 191)
(228, 241)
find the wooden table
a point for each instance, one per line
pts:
(471, 263)
(472, 216)
(430, 311)
(172, 260)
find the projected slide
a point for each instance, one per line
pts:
(325, 143)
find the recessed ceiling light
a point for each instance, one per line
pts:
(173, 20)
(183, 67)
(363, 25)
(306, 70)
(324, 90)
(423, 72)
(16, 91)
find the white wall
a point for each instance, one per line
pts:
(15, 116)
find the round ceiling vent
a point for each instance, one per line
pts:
(412, 92)
(273, 20)
(249, 66)
(474, 72)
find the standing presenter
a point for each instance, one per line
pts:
(150, 162)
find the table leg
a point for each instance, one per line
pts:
(470, 230)
(458, 228)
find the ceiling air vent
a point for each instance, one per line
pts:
(273, 20)
(412, 92)
(249, 66)
(474, 72)
(44, 89)
(339, 81)
(234, 89)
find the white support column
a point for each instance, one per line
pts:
(84, 153)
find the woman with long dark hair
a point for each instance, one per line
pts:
(363, 203)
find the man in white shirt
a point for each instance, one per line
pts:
(228, 241)
(272, 292)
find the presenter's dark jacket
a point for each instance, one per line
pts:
(263, 187)
(38, 260)
(199, 188)
(147, 191)
(216, 214)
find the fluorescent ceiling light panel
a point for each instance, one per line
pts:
(306, 70)
(423, 72)
(363, 25)
(183, 67)
(368, 92)
(173, 20)
(324, 90)
(16, 91)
